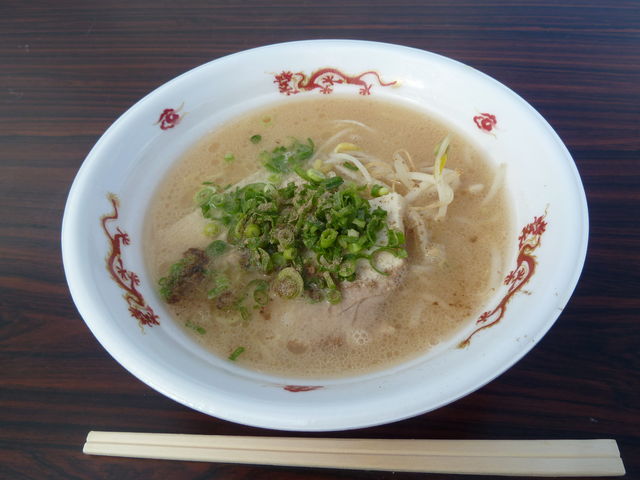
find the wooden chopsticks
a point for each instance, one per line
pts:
(485, 457)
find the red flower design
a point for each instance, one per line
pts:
(529, 240)
(365, 90)
(169, 118)
(125, 279)
(124, 274)
(530, 235)
(284, 81)
(135, 279)
(329, 80)
(144, 317)
(301, 388)
(510, 278)
(122, 236)
(290, 83)
(485, 121)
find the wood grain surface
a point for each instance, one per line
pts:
(68, 69)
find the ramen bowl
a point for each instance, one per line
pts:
(104, 252)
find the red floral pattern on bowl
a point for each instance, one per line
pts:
(169, 118)
(529, 240)
(486, 122)
(324, 80)
(124, 278)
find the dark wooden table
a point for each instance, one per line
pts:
(68, 71)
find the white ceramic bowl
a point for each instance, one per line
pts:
(108, 279)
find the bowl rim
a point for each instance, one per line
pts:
(340, 423)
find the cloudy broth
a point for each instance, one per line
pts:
(442, 290)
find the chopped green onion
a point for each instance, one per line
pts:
(329, 280)
(334, 296)
(203, 195)
(315, 175)
(285, 159)
(261, 297)
(302, 173)
(229, 157)
(328, 237)
(333, 183)
(394, 238)
(216, 248)
(278, 260)
(347, 268)
(288, 283)
(311, 233)
(374, 266)
(264, 260)
(176, 268)
(275, 178)
(396, 251)
(244, 313)
(216, 200)
(236, 353)
(354, 247)
(260, 293)
(350, 166)
(252, 230)
(211, 229)
(194, 327)
(378, 191)
(220, 285)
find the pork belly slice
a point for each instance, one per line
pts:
(355, 320)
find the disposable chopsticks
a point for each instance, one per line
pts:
(486, 457)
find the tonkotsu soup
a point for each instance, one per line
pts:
(329, 236)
